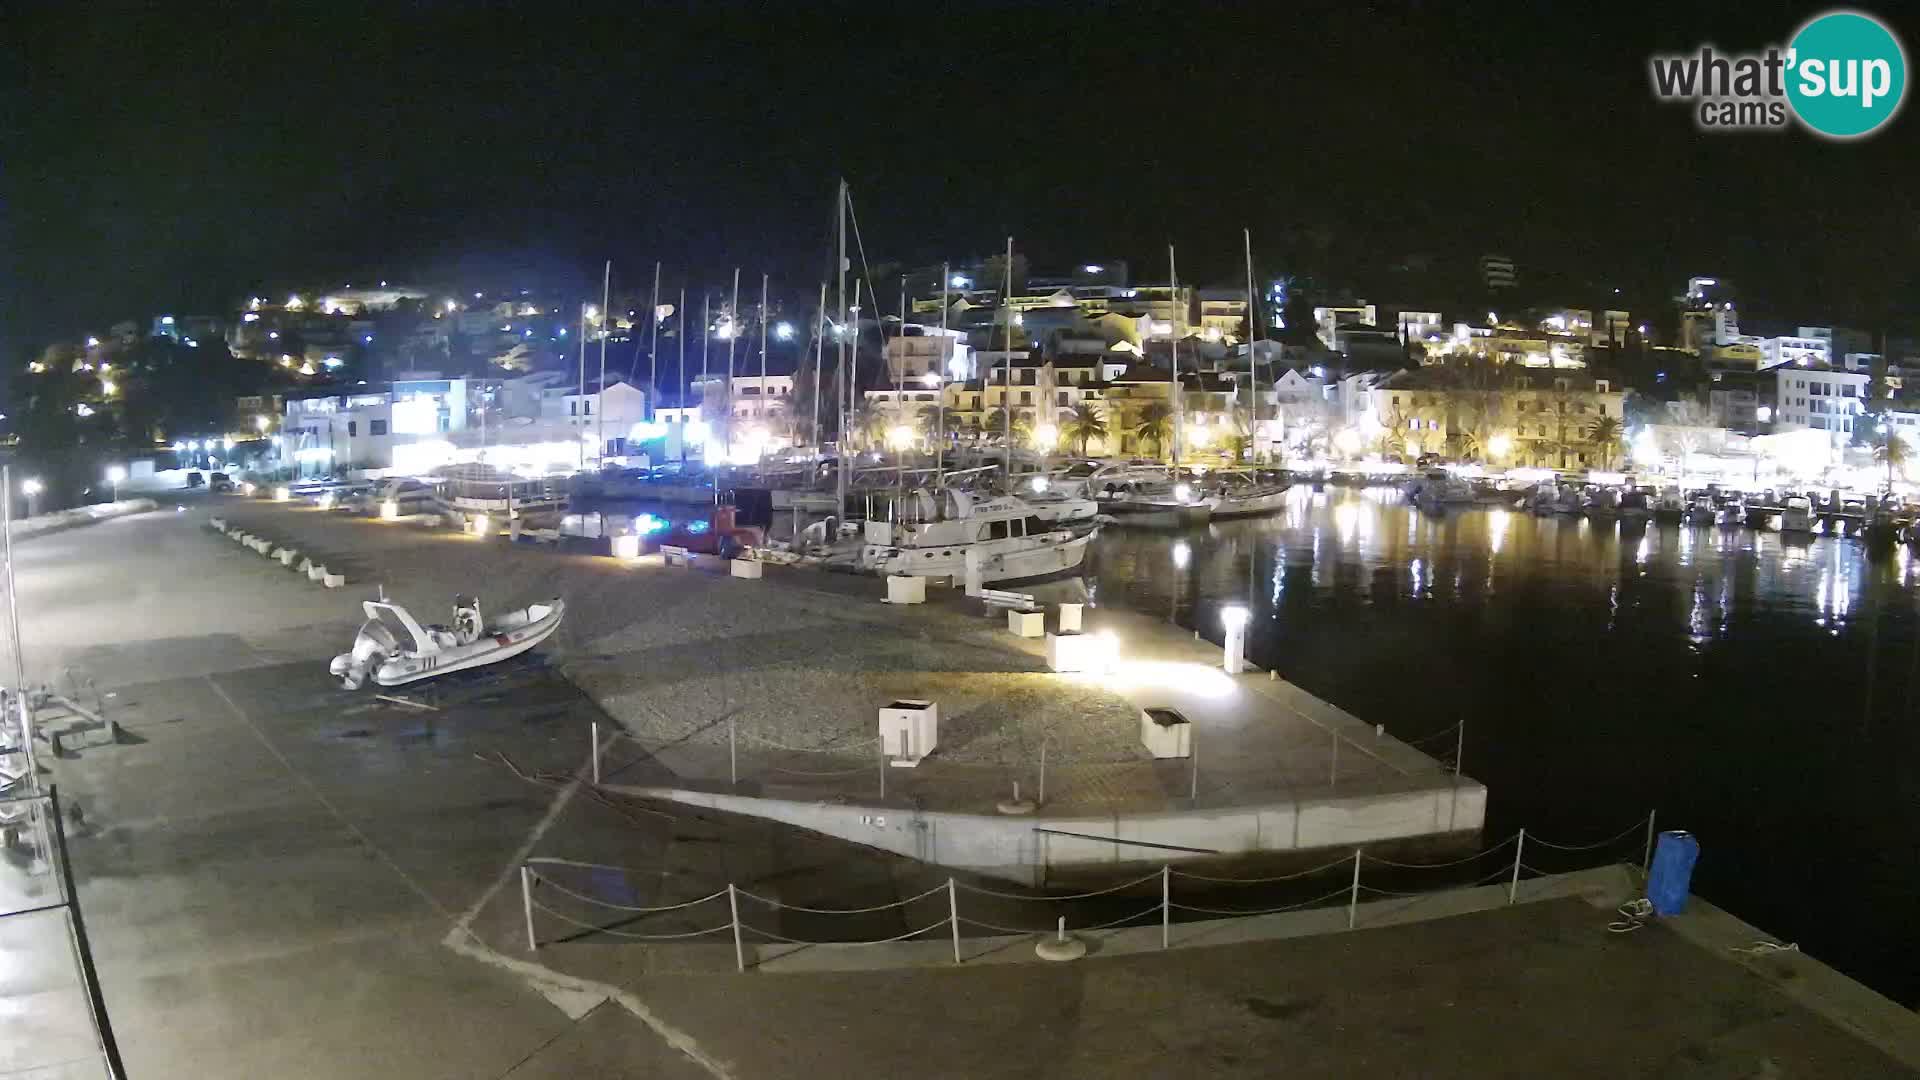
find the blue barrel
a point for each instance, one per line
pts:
(1672, 872)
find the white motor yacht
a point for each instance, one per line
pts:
(933, 533)
(1246, 495)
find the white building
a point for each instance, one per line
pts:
(1798, 350)
(1819, 398)
(1418, 325)
(1329, 320)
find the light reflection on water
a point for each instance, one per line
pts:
(1757, 689)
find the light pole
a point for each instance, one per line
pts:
(30, 487)
(115, 474)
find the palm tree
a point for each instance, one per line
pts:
(870, 422)
(1086, 424)
(1155, 425)
(1604, 431)
(997, 424)
(1892, 451)
(937, 418)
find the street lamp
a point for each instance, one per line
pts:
(115, 474)
(30, 487)
(262, 423)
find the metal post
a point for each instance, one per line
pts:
(1193, 753)
(1646, 861)
(953, 916)
(1042, 801)
(13, 619)
(1353, 892)
(733, 752)
(1166, 903)
(883, 772)
(1460, 748)
(526, 901)
(595, 727)
(1333, 769)
(733, 910)
(1513, 884)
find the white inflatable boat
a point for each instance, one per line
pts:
(394, 648)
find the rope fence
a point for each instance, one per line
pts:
(538, 874)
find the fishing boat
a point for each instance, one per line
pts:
(393, 648)
(1797, 516)
(1437, 490)
(1246, 495)
(935, 533)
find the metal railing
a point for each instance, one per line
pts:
(542, 879)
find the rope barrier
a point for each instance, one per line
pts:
(1614, 839)
(836, 749)
(1439, 865)
(1010, 929)
(1263, 911)
(837, 911)
(1346, 860)
(1072, 896)
(1128, 918)
(557, 887)
(830, 772)
(882, 941)
(625, 934)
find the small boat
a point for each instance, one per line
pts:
(1603, 504)
(1437, 490)
(394, 648)
(1149, 503)
(1633, 505)
(1732, 513)
(1797, 517)
(1246, 495)
(1569, 501)
(1670, 507)
(1700, 511)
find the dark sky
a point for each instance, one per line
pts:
(167, 157)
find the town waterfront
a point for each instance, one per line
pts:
(1755, 690)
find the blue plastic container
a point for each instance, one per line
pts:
(1672, 872)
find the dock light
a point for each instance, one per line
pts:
(1038, 484)
(30, 486)
(1234, 618)
(247, 488)
(900, 436)
(390, 510)
(1183, 492)
(179, 447)
(325, 500)
(960, 281)
(1182, 554)
(783, 331)
(261, 423)
(480, 524)
(1499, 445)
(281, 494)
(647, 524)
(107, 388)
(626, 547)
(115, 474)
(1046, 435)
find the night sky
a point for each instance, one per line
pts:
(163, 158)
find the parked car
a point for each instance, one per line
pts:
(221, 484)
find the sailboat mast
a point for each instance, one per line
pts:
(940, 407)
(1006, 368)
(680, 327)
(733, 334)
(763, 351)
(1173, 339)
(653, 347)
(1253, 361)
(840, 344)
(600, 394)
(819, 357)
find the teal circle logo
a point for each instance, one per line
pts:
(1847, 74)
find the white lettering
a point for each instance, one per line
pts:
(1848, 86)
(1879, 80)
(1813, 77)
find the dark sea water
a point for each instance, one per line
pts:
(1757, 691)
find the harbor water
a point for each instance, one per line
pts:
(1757, 690)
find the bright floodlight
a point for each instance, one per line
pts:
(783, 331)
(1038, 484)
(1499, 445)
(1763, 414)
(1046, 435)
(1233, 616)
(116, 473)
(1183, 492)
(30, 486)
(261, 422)
(960, 281)
(900, 436)
(1182, 554)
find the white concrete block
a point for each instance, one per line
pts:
(334, 581)
(1076, 652)
(909, 731)
(1028, 624)
(676, 556)
(306, 564)
(218, 523)
(747, 568)
(626, 547)
(285, 555)
(1070, 618)
(904, 589)
(1165, 733)
(316, 573)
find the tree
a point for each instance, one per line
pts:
(870, 422)
(1086, 424)
(935, 419)
(997, 421)
(1155, 425)
(1604, 433)
(993, 273)
(1891, 450)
